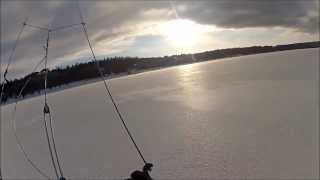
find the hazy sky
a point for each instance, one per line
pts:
(150, 28)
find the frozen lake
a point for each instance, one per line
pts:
(245, 117)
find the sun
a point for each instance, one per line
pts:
(183, 34)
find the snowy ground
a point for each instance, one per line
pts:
(245, 117)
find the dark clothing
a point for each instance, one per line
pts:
(139, 175)
(142, 175)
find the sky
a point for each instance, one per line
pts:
(148, 28)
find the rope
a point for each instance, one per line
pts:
(14, 129)
(10, 60)
(7, 68)
(46, 105)
(46, 110)
(49, 145)
(45, 58)
(36, 27)
(54, 144)
(108, 90)
(19, 96)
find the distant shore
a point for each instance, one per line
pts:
(84, 73)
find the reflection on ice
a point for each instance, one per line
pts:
(250, 117)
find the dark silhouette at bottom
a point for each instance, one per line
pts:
(142, 175)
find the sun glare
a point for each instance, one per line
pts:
(183, 34)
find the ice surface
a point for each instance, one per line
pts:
(245, 117)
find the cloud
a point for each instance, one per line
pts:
(106, 21)
(301, 15)
(117, 27)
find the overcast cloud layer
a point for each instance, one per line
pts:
(127, 27)
(301, 15)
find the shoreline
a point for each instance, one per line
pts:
(120, 75)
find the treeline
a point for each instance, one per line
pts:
(128, 65)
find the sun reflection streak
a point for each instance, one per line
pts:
(194, 93)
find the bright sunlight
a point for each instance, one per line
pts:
(183, 34)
